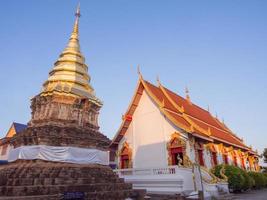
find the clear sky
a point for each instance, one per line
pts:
(216, 48)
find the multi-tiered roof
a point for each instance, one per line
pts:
(184, 114)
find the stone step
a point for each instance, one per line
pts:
(57, 181)
(118, 195)
(57, 189)
(38, 197)
(102, 195)
(26, 179)
(40, 170)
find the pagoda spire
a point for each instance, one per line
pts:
(74, 38)
(69, 75)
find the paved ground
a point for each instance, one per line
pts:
(252, 195)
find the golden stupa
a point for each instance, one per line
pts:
(69, 75)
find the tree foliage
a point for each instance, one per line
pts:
(265, 155)
(240, 180)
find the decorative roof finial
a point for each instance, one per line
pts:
(208, 108)
(139, 71)
(158, 81)
(187, 94)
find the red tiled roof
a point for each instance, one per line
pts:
(192, 109)
(179, 119)
(160, 96)
(185, 115)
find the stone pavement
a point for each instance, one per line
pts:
(252, 195)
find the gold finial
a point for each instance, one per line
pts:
(76, 24)
(158, 81)
(139, 71)
(187, 94)
(78, 12)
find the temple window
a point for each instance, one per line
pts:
(199, 151)
(235, 160)
(125, 156)
(176, 150)
(243, 163)
(225, 159)
(200, 157)
(213, 154)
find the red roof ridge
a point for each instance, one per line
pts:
(207, 123)
(192, 104)
(180, 115)
(228, 129)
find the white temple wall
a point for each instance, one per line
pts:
(190, 151)
(220, 158)
(148, 135)
(230, 160)
(207, 158)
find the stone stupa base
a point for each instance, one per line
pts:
(37, 179)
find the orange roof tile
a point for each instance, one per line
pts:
(170, 104)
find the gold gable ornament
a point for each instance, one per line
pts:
(126, 150)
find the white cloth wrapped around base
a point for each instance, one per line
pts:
(60, 154)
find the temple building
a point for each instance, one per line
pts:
(5, 145)
(61, 154)
(161, 130)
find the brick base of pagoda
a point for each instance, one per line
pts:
(63, 121)
(55, 135)
(30, 180)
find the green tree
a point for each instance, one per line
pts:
(265, 155)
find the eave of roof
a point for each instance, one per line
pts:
(19, 127)
(183, 114)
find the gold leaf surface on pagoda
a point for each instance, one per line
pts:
(69, 75)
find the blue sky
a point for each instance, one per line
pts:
(216, 48)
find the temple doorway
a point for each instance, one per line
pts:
(225, 159)
(124, 161)
(125, 157)
(200, 153)
(176, 150)
(214, 158)
(177, 156)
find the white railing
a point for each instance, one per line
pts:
(152, 171)
(172, 179)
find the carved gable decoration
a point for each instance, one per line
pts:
(176, 141)
(126, 150)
